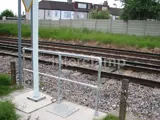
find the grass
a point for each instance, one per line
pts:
(85, 35)
(7, 111)
(7, 108)
(5, 85)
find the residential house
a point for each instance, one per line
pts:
(55, 10)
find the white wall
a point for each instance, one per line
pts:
(54, 15)
(41, 15)
(49, 14)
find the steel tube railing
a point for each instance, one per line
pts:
(59, 78)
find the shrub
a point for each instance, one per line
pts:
(4, 79)
(7, 111)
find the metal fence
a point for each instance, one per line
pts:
(132, 27)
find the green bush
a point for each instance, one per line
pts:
(4, 79)
(5, 85)
(7, 111)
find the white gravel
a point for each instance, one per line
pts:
(143, 102)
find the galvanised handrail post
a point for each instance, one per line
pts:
(59, 80)
(99, 83)
(23, 50)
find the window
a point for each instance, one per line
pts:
(56, 13)
(48, 13)
(82, 5)
(67, 14)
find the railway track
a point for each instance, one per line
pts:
(128, 65)
(11, 47)
(132, 58)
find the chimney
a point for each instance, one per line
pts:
(105, 3)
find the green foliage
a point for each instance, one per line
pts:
(85, 34)
(99, 14)
(141, 10)
(7, 111)
(7, 13)
(111, 117)
(4, 79)
(5, 82)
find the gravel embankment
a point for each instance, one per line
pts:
(142, 102)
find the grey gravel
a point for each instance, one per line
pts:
(143, 102)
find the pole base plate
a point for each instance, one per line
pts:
(63, 110)
(36, 99)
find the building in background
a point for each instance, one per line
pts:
(115, 13)
(55, 10)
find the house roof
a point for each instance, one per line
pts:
(56, 5)
(115, 11)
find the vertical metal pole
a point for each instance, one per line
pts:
(36, 93)
(19, 43)
(98, 89)
(59, 81)
(23, 67)
(32, 32)
(35, 63)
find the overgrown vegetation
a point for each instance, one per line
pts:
(5, 85)
(7, 111)
(84, 35)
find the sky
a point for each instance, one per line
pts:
(13, 4)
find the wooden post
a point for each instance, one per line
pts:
(123, 100)
(13, 72)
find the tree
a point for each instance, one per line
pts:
(7, 13)
(99, 14)
(141, 9)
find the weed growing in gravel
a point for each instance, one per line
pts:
(111, 117)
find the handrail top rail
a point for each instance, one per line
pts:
(65, 54)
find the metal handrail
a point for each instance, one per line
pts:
(59, 78)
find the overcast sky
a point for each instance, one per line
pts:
(13, 4)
